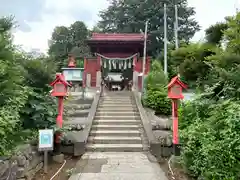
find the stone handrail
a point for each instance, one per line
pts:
(91, 115)
(79, 147)
(145, 120)
(156, 147)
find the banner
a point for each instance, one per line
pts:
(117, 63)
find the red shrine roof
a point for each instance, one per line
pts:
(117, 37)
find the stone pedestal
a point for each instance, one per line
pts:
(58, 158)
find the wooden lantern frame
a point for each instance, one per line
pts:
(59, 80)
(175, 88)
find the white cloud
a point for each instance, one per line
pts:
(58, 12)
(209, 12)
(41, 31)
(65, 12)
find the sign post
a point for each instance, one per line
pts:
(175, 94)
(45, 144)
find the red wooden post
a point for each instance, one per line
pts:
(59, 90)
(175, 93)
(60, 112)
(175, 121)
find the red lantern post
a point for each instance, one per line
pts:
(175, 93)
(59, 90)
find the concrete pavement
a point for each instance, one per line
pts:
(118, 166)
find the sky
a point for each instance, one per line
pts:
(36, 19)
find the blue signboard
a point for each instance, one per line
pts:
(45, 139)
(73, 74)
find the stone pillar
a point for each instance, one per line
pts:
(134, 72)
(98, 78)
(88, 80)
(98, 73)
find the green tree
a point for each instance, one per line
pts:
(232, 34)
(192, 62)
(11, 77)
(215, 33)
(209, 124)
(67, 40)
(156, 91)
(129, 16)
(25, 104)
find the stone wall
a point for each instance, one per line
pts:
(26, 162)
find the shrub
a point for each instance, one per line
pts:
(157, 100)
(10, 120)
(24, 101)
(212, 140)
(156, 77)
(156, 95)
(40, 111)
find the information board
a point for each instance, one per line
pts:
(73, 74)
(45, 140)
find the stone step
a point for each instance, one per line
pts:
(117, 95)
(76, 120)
(115, 133)
(120, 97)
(118, 117)
(117, 113)
(115, 127)
(122, 122)
(116, 103)
(114, 140)
(82, 101)
(115, 147)
(77, 106)
(79, 113)
(110, 100)
(114, 109)
(116, 100)
(116, 106)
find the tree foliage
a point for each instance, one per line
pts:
(25, 104)
(192, 63)
(129, 16)
(156, 91)
(209, 125)
(214, 34)
(69, 40)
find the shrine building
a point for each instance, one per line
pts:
(115, 53)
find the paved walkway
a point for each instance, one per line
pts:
(118, 166)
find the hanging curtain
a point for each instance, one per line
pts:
(110, 65)
(129, 64)
(114, 63)
(125, 64)
(105, 63)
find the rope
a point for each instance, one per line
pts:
(130, 57)
(58, 170)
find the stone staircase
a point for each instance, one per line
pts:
(117, 125)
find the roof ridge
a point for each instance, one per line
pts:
(117, 36)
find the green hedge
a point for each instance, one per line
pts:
(157, 100)
(25, 103)
(156, 91)
(211, 137)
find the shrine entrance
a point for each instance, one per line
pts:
(117, 73)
